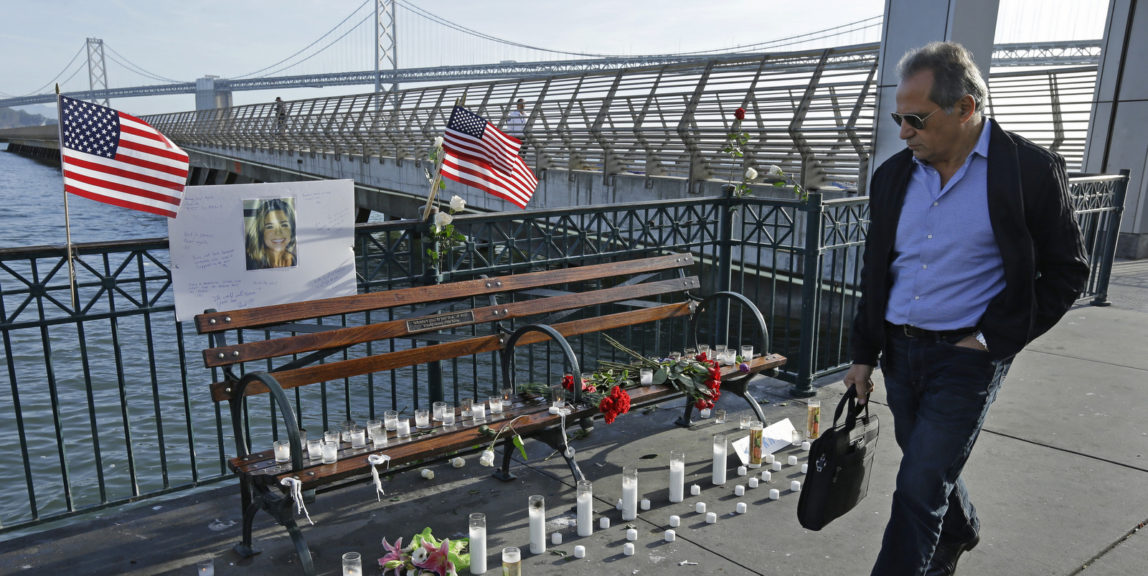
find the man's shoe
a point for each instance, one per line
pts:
(944, 562)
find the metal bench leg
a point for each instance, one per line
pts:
(250, 508)
(503, 473)
(685, 420)
(300, 546)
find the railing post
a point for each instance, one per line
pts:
(725, 260)
(1111, 236)
(810, 295)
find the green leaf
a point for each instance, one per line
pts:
(521, 449)
(442, 184)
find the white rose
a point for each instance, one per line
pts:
(750, 174)
(487, 458)
(457, 462)
(437, 142)
(774, 170)
(442, 220)
(457, 204)
(427, 473)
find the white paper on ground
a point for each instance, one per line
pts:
(775, 437)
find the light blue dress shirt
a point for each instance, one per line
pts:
(946, 263)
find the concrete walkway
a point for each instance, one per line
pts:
(1058, 475)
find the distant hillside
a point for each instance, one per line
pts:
(10, 118)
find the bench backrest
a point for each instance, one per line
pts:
(636, 285)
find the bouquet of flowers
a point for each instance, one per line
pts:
(699, 377)
(605, 390)
(426, 555)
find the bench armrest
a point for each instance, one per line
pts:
(508, 356)
(762, 344)
(288, 415)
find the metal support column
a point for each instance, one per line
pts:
(810, 293)
(386, 43)
(97, 72)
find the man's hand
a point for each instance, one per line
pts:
(970, 341)
(859, 377)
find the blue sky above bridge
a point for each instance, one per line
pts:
(187, 40)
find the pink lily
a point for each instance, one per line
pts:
(438, 559)
(394, 554)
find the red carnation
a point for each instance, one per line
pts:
(700, 404)
(739, 113)
(618, 402)
(568, 382)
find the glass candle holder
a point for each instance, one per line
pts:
(746, 352)
(478, 411)
(358, 437)
(704, 349)
(373, 428)
(330, 452)
(508, 400)
(436, 411)
(315, 448)
(352, 564)
(647, 376)
(677, 475)
(511, 561)
(205, 567)
(585, 508)
(331, 436)
(557, 396)
(495, 403)
(756, 436)
(719, 460)
(537, 509)
(465, 408)
(422, 419)
(448, 416)
(345, 430)
(403, 428)
(282, 451)
(813, 419)
(391, 420)
(629, 493)
(690, 352)
(478, 543)
(719, 416)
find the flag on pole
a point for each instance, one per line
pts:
(479, 155)
(116, 158)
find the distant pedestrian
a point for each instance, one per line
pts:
(516, 124)
(280, 115)
(972, 252)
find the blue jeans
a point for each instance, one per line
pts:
(939, 394)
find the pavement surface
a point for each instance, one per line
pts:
(1058, 476)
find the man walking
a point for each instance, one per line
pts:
(516, 124)
(973, 251)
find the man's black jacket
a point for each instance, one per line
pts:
(1045, 266)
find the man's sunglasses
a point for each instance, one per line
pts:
(914, 120)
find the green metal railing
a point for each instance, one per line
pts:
(107, 401)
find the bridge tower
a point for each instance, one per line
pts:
(97, 72)
(386, 44)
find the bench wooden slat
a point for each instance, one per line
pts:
(341, 337)
(210, 322)
(221, 391)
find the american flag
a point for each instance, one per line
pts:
(477, 154)
(112, 157)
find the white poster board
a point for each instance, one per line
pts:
(248, 245)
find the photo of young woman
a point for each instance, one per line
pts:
(269, 228)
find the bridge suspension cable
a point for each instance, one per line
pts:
(312, 44)
(132, 66)
(49, 83)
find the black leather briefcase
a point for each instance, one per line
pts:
(839, 465)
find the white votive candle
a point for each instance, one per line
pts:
(585, 508)
(645, 504)
(805, 468)
(769, 458)
(719, 459)
(403, 428)
(695, 490)
(711, 517)
(700, 507)
(477, 543)
(537, 525)
(556, 538)
(739, 490)
(603, 523)
(741, 470)
(647, 376)
(805, 446)
(675, 521)
(774, 494)
(670, 535)
(795, 486)
(792, 460)
(766, 476)
(628, 549)
(741, 508)
(629, 493)
(579, 551)
(777, 466)
(631, 534)
(677, 478)
(753, 482)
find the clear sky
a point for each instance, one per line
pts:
(188, 40)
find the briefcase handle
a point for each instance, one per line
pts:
(850, 399)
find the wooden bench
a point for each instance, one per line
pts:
(274, 349)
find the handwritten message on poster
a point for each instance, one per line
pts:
(300, 234)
